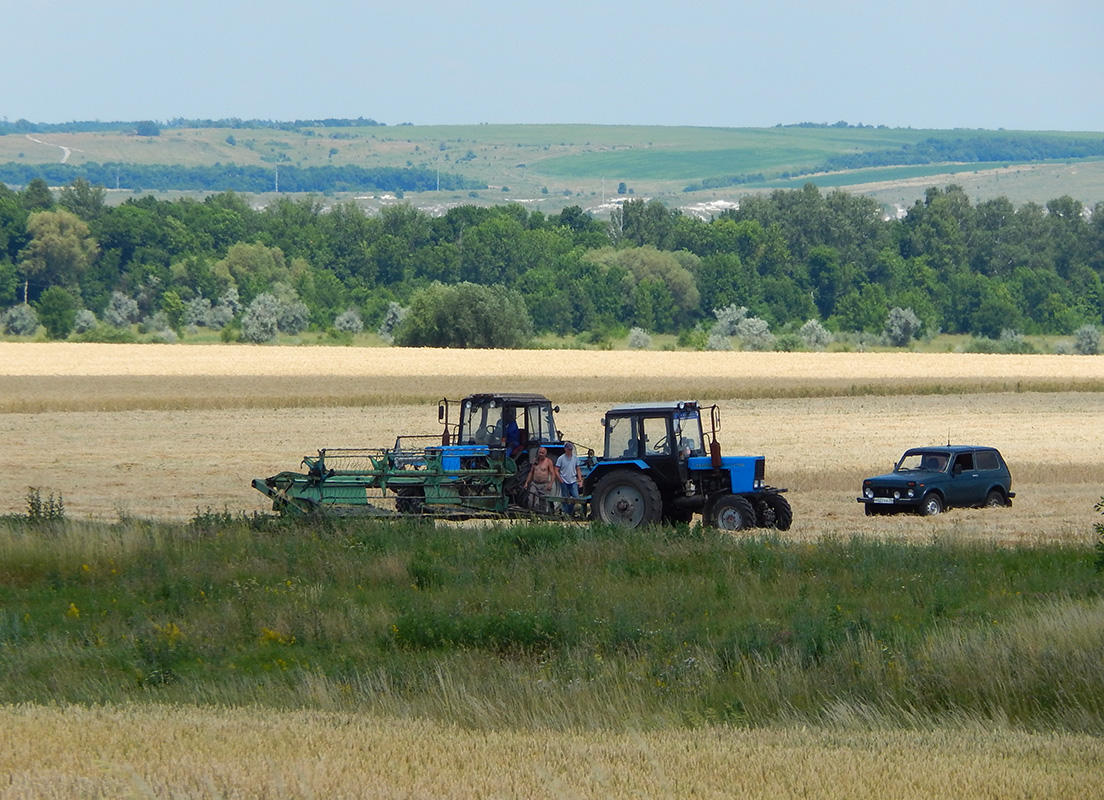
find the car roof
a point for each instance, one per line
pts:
(950, 448)
(660, 407)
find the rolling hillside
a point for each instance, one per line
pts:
(552, 166)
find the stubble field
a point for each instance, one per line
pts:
(154, 431)
(161, 431)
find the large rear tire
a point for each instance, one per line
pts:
(731, 513)
(626, 498)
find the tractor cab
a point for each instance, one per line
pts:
(516, 422)
(659, 437)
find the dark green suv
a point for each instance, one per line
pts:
(928, 480)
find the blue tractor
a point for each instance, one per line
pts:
(658, 466)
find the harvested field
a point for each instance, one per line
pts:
(165, 430)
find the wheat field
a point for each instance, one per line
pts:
(157, 751)
(158, 431)
(161, 431)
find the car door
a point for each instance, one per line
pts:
(966, 486)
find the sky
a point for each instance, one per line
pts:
(727, 63)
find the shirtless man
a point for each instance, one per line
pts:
(543, 475)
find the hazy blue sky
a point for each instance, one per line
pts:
(932, 64)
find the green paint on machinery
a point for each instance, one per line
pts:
(461, 481)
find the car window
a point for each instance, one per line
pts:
(987, 459)
(927, 460)
(964, 462)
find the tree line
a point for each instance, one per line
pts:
(778, 263)
(240, 178)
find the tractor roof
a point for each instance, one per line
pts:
(628, 409)
(514, 398)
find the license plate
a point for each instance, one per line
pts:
(886, 500)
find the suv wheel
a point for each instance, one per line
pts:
(626, 498)
(995, 499)
(931, 505)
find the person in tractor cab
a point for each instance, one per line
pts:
(512, 434)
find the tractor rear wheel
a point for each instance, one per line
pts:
(626, 498)
(410, 500)
(731, 513)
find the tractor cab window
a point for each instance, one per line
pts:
(481, 423)
(688, 434)
(622, 437)
(540, 425)
(657, 442)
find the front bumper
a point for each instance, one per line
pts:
(910, 503)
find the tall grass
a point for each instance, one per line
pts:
(537, 625)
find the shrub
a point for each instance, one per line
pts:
(788, 342)
(391, 319)
(754, 333)
(85, 322)
(1010, 342)
(57, 310)
(901, 326)
(695, 339)
(814, 335)
(718, 341)
(349, 322)
(197, 311)
(21, 320)
(261, 320)
(729, 319)
(293, 317)
(121, 311)
(465, 315)
(639, 339)
(1086, 340)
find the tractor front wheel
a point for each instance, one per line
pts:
(779, 514)
(626, 498)
(731, 513)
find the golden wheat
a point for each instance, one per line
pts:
(198, 753)
(161, 431)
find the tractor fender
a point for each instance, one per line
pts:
(604, 467)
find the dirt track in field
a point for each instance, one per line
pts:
(162, 432)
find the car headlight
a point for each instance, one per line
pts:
(868, 492)
(911, 493)
(897, 495)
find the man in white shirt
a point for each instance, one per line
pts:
(570, 476)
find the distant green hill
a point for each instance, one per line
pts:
(550, 165)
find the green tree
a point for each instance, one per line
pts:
(61, 248)
(465, 315)
(57, 311)
(37, 196)
(83, 199)
(174, 308)
(252, 268)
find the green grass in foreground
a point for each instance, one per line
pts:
(538, 625)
